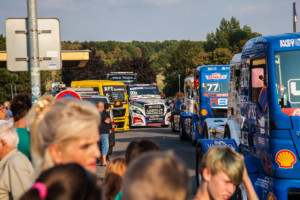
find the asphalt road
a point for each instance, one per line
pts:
(167, 141)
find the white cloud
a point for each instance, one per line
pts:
(161, 2)
(248, 10)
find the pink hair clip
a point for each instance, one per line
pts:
(41, 188)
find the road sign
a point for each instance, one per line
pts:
(17, 44)
(67, 93)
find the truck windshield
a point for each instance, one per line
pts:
(215, 88)
(287, 69)
(94, 100)
(143, 90)
(115, 92)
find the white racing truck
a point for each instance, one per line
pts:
(146, 106)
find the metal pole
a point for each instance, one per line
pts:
(12, 90)
(294, 17)
(179, 82)
(34, 64)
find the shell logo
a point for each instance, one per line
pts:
(285, 159)
(271, 196)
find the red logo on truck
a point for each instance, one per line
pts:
(215, 76)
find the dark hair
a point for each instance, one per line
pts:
(20, 105)
(137, 147)
(68, 182)
(106, 106)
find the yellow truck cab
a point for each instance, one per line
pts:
(116, 91)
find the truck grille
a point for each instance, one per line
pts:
(154, 109)
(119, 124)
(219, 113)
(119, 112)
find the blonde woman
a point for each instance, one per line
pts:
(63, 131)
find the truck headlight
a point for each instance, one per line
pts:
(137, 112)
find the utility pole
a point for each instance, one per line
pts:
(294, 17)
(34, 63)
(179, 82)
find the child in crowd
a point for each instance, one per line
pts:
(137, 147)
(222, 171)
(156, 175)
(68, 182)
(114, 174)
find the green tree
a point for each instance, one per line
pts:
(2, 43)
(141, 66)
(220, 56)
(229, 35)
(181, 62)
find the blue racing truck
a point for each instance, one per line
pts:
(267, 119)
(146, 106)
(264, 115)
(210, 105)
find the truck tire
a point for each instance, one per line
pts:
(198, 161)
(182, 133)
(172, 124)
(130, 126)
(193, 141)
(227, 134)
(205, 131)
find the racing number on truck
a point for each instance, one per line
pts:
(212, 87)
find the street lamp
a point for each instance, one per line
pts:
(179, 82)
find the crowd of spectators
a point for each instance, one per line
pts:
(50, 151)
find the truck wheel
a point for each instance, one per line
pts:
(172, 125)
(130, 126)
(194, 142)
(205, 131)
(182, 133)
(198, 161)
(227, 134)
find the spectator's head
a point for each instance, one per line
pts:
(100, 106)
(137, 147)
(9, 139)
(222, 170)
(7, 104)
(156, 175)
(68, 182)
(3, 111)
(20, 105)
(106, 106)
(114, 174)
(64, 131)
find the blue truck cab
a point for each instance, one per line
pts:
(212, 99)
(264, 116)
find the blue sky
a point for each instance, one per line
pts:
(154, 20)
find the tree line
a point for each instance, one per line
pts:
(147, 59)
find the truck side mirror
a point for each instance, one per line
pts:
(257, 79)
